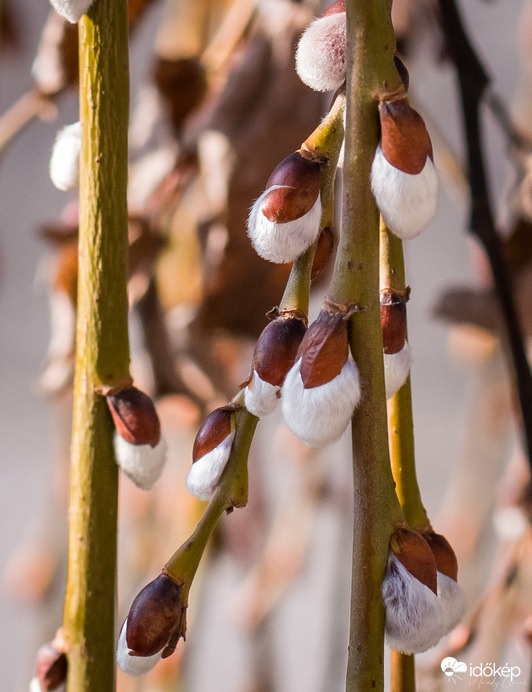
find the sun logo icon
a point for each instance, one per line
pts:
(451, 667)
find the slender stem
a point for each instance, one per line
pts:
(402, 672)
(102, 358)
(370, 69)
(231, 492)
(401, 441)
(400, 415)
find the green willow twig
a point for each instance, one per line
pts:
(324, 143)
(102, 357)
(401, 441)
(370, 70)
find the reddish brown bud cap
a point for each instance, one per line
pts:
(444, 556)
(335, 8)
(323, 253)
(414, 553)
(300, 178)
(51, 667)
(405, 141)
(214, 429)
(154, 617)
(276, 349)
(393, 322)
(135, 417)
(324, 349)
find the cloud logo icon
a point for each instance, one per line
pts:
(451, 666)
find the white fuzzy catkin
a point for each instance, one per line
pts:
(452, 601)
(260, 397)
(321, 53)
(396, 369)
(319, 415)
(64, 162)
(133, 665)
(205, 473)
(414, 616)
(143, 464)
(283, 242)
(407, 202)
(72, 10)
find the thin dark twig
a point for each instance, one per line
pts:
(473, 81)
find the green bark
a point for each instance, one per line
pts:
(370, 70)
(102, 357)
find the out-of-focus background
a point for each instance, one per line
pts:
(288, 634)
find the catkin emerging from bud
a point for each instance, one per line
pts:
(403, 177)
(285, 220)
(273, 357)
(322, 389)
(211, 452)
(414, 617)
(321, 51)
(72, 10)
(139, 448)
(450, 594)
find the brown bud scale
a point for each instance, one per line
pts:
(414, 553)
(214, 429)
(300, 178)
(335, 8)
(135, 417)
(393, 322)
(324, 349)
(276, 349)
(323, 252)
(444, 555)
(405, 141)
(51, 667)
(154, 616)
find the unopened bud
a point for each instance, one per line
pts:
(51, 668)
(285, 220)
(414, 617)
(324, 248)
(322, 388)
(273, 357)
(154, 616)
(403, 177)
(321, 51)
(211, 452)
(135, 417)
(72, 10)
(64, 162)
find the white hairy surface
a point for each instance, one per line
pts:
(452, 601)
(143, 464)
(320, 54)
(283, 242)
(407, 202)
(414, 616)
(205, 473)
(64, 161)
(396, 369)
(260, 397)
(72, 10)
(319, 415)
(133, 665)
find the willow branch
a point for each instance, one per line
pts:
(370, 68)
(473, 82)
(102, 357)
